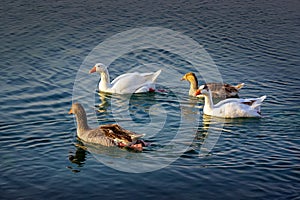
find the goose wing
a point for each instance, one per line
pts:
(130, 82)
(253, 102)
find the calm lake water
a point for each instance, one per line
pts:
(43, 45)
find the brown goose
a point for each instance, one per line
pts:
(218, 90)
(107, 135)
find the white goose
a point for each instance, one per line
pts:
(127, 83)
(232, 107)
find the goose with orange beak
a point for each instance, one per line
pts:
(231, 107)
(126, 83)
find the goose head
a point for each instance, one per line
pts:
(76, 109)
(99, 67)
(192, 79)
(189, 77)
(203, 89)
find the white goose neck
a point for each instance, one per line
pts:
(105, 80)
(208, 102)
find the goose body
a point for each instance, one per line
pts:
(231, 107)
(106, 135)
(127, 83)
(218, 90)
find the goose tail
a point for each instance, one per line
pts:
(155, 75)
(137, 136)
(239, 86)
(256, 105)
(261, 99)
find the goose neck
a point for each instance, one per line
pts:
(208, 102)
(193, 84)
(82, 124)
(105, 80)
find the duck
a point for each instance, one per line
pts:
(126, 83)
(106, 135)
(219, 90)
(231, 107)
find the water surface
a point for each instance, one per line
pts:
(43, 46)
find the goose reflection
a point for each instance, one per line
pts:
(101, 153)
(128, 101)
(78, 158)
(212, 128)
(208, 134)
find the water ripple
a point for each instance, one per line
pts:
(43, 45)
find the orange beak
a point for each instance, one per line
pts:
(183, 78)
(197, 92)
(93, 70)
(71, 111)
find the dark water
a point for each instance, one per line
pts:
(45, 42)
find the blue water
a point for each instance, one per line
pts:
(45, 43)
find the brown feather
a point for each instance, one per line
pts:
(249, 103)
(115, 131)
